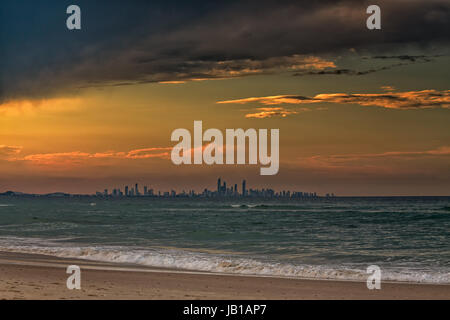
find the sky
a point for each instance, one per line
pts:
(360, 112)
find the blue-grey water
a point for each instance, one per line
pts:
(408, 238)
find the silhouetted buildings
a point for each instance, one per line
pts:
(137, 190)
(222, 191)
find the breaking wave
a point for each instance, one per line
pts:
(217, 263)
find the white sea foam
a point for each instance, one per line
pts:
(244, 205)
(200, 261)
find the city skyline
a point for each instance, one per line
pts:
(221, 191)
(360, 112)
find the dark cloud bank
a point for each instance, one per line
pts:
(126, 42)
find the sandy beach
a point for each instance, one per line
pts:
(30, 276)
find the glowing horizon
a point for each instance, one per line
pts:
(359, 113)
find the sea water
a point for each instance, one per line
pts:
(408, 238)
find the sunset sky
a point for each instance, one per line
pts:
(360, 112)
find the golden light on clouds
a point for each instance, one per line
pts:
(172, 82)
(9, 152)
(270, 112)
(80, 158)
(236, 68)
(390, 100)
(31, 106)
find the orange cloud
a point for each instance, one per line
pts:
(237, 68)
(9, 152)
(149, 153)
(311, 62)
(270, 112)
(78, 158)
(388, 88)
(390, 100)
(269, 100)
(172, 82)
(60, 158)
(219, 70)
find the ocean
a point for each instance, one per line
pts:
(408, 238)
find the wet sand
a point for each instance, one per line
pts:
(30, 276)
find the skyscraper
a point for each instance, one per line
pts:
(126, 191)
(244, 192)
(219, 185)
(136, 189)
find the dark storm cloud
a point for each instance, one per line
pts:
(411, 58)
(151, 41)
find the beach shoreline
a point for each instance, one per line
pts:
(36, 276)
